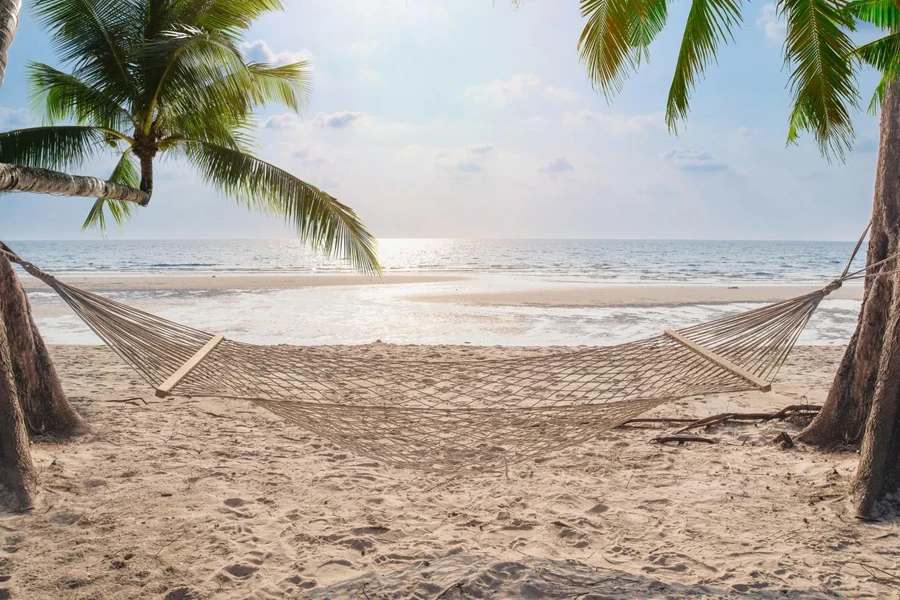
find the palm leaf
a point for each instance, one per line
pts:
(58, 147)
(318, 218)
(97, 37)
(126, 173)
(616, 37)
(709, 24)
(823, 81)
(64, 97)
(884, 14)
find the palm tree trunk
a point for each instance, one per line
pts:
(16, 469)
(44, 181)
(862, 405)
(9, 22)
(44, 404)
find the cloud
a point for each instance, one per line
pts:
(693, 160)
(559, 94)
(282, 121)
(338, 120)
(501, 92)
(305, 156)
(368, 75)
(363, 47)
(259, 51)
(617, 123)
(773, 25)
(481, 148)
(473, 159)
(14, 118)
(559, 164)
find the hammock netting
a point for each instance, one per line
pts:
(451, 415)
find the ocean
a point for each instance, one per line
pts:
(362, 314)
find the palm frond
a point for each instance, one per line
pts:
(183, 65)
(709, 24)
(884, 14)
(229, 17)
(289, 84)
(318, 218)
(60, 147)
(63, 97)
(126, 173)
(823, 80)
(96, 36)
(617, 37)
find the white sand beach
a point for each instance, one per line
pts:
(203, 498)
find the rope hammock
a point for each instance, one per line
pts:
(452, 415)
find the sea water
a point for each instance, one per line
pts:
(364, 313)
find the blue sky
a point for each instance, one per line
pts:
(472, 118)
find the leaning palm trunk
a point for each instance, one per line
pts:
(862, 405)
(31, 397)
(44, 181)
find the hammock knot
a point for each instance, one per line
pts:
(834, 285)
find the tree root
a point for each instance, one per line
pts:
(794, 410)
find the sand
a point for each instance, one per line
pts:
(636, 295)
(201, 499)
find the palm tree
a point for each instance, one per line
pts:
(863, 405)
(144, 78)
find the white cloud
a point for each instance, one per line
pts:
(473, 159)
(259, 51)
(559, 94)
(501, 92)
(282, 121)
(693, 160)
(14, 118)
(560, 164)
(363, 47)
(617, 123)
(368, 75)
(305, 156)
(773, 25)
(481, 148)
(339, 120)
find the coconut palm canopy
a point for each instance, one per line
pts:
(145, 78)
(818, 50)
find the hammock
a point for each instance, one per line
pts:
(451, 415)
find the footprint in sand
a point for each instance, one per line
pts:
(241, 570)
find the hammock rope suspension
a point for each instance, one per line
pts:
(451, 415)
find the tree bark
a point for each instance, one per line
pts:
(9, 22)
(862, 404)
(44, 404)
(16, 469)
(34, 179)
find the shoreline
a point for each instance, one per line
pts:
(144, 282)
(635, 295)
(525, 292)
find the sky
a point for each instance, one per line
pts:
(475, 118)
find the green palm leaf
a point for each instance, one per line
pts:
(616, 37)
(60, 147)
(884, 14)
(823, 81)
(318, 218)
(125, 172)
(709, 24)
(63, 97)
